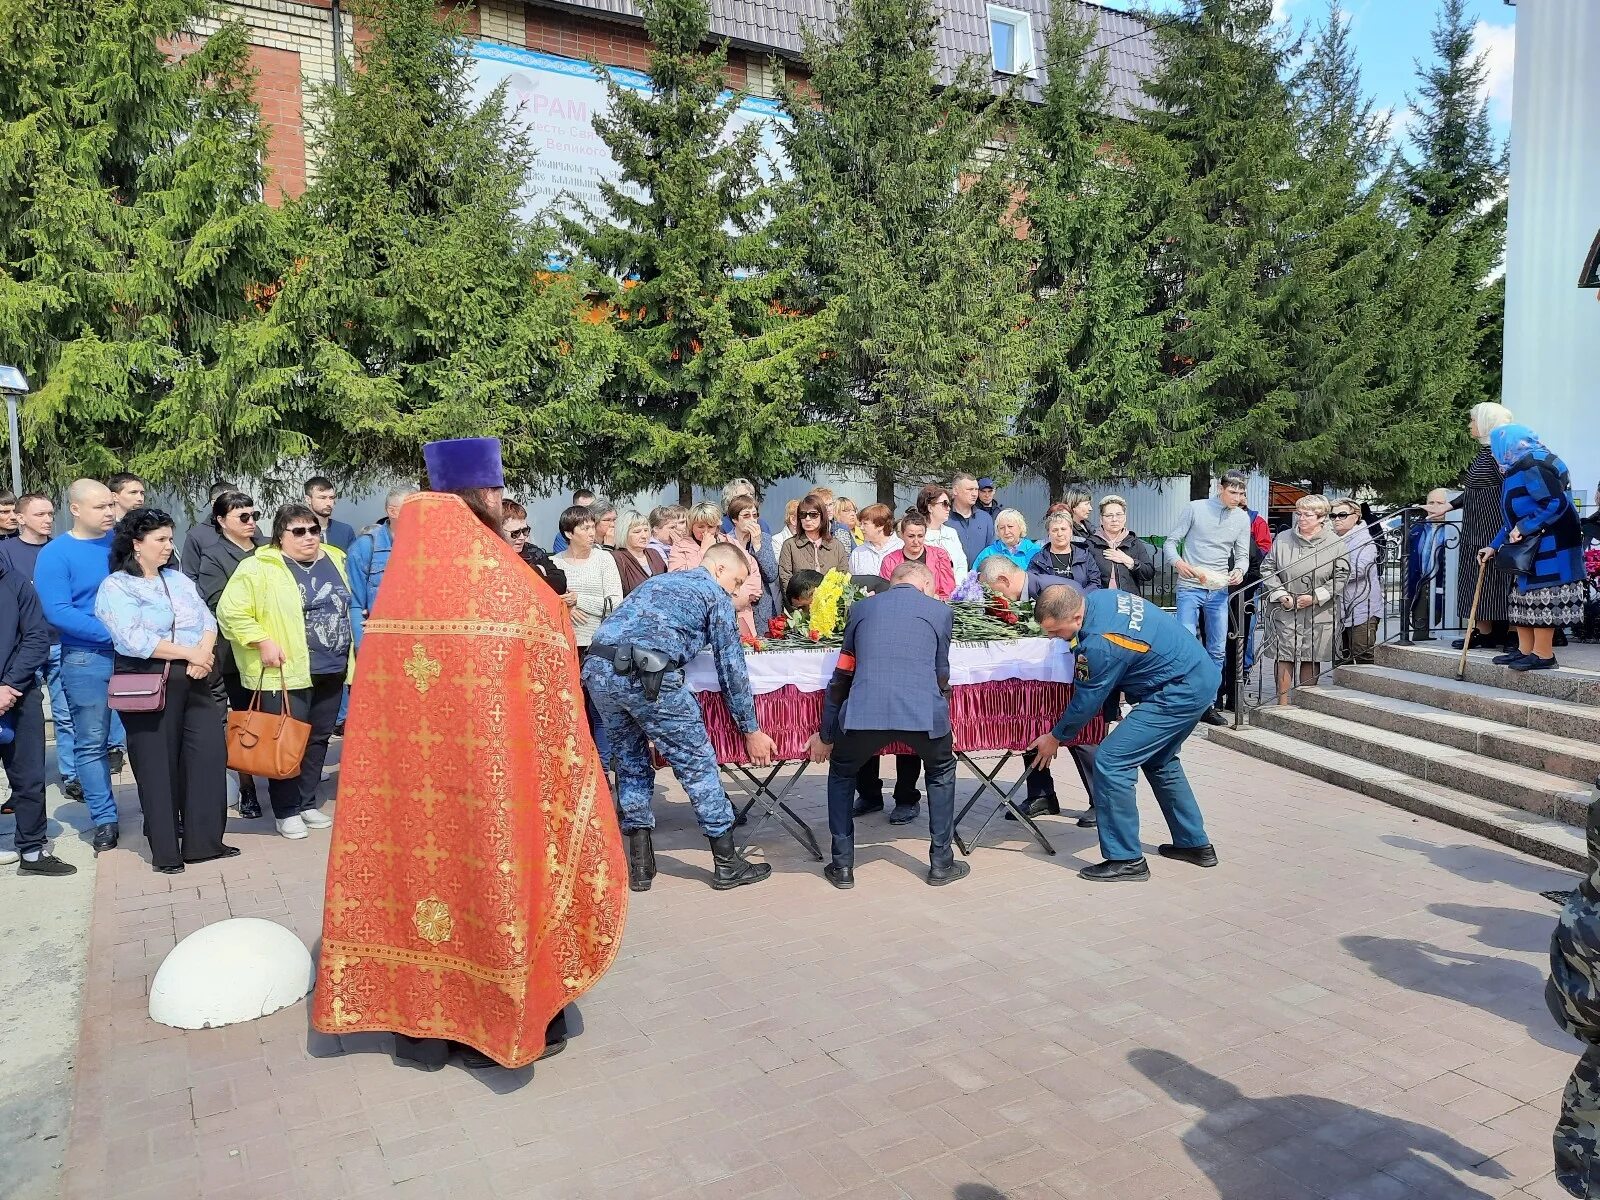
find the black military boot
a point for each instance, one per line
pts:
(730, 869)
(641, 860)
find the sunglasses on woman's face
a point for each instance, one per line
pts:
(304, 531)
(811, 516)
(248, 517)
(517, 534)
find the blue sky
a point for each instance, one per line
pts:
(1390, 35)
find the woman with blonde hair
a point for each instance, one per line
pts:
(1304, 575)
(636, 561)
(702, 530)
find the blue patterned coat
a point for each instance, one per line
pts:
(1533, 498)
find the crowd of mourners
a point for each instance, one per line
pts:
(242, 617)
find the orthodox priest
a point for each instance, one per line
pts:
(476, 881)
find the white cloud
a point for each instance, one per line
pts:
(1400, 122)
(1280, 9)
(1498, 45)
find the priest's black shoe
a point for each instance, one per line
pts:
(1212, 717)
(1088, 820)
(1117, 871)
(840, 875)
(1200, 856)
(641, 860)
(866, 806)
(939, 876)
(105, 837)
(730, 869)
(474, 1060)
(904, 814)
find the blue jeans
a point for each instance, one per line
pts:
(1192, 601)
(1149, 739)
(60, 715)
(85, 678)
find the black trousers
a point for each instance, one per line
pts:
(869, 781)
(850, 754)
(433, 1053)
(24, 763)
(180, 762)
(318, 706)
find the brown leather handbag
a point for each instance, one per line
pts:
(270, 745)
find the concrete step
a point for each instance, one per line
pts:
(1567, 757)
(1562, 718)
(1544, 837)
(1430, 762)
(1565, 683)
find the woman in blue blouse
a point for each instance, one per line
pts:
(1011, 540)
(158, 621)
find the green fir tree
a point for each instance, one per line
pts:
(901, 209)
(1091, 409)
(1456, 184)
(133, 241)
(1220, 152)
(712, 370)
(422, 303)
(1343, 248)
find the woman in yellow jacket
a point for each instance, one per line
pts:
(287, 613)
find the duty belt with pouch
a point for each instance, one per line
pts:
(648, 665)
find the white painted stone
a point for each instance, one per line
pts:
(233, 971)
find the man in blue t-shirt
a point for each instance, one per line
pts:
(67, 577)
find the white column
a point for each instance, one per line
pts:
(1552, 355)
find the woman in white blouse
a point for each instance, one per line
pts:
(933, 502)
(595, 586)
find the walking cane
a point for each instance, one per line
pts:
(1472, 623)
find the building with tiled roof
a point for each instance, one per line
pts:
(298, 43)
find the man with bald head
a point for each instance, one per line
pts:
(892, 685)
(68, 576)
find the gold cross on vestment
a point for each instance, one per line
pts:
(427, 795)
(476, 561)
(423, 737)
(430, 853)
(424, 671)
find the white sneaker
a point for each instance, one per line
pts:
(315, 818)
(7, 857)
(292, 827)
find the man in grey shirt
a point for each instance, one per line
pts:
(1215, 535)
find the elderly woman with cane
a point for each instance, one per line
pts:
(1479, 502)
(1540, 541)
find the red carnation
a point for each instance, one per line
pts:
(777, 627)
(814, 634)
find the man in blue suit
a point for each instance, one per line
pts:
(891, 685)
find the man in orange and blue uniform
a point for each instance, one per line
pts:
(1123, 641)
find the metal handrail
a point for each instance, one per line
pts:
(1240, 629)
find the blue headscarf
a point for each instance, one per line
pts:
(1511, 443)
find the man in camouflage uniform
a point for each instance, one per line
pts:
(1573, 995)
(674, 617)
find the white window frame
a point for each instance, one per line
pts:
(1021, 23)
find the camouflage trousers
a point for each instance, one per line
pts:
(672, 722)
(1577, 1136)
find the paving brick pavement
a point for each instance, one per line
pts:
(1349, 1008)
